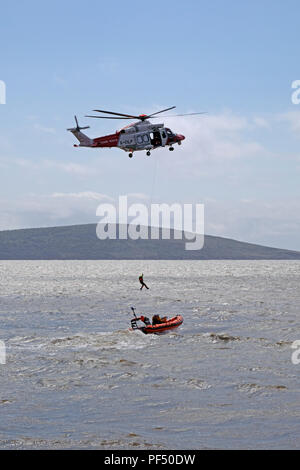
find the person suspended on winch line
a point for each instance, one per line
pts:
(141, 279)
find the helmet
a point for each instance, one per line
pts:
(142, 318)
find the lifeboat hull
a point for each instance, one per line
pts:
(162, 327)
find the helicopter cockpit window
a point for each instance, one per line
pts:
(169, 132)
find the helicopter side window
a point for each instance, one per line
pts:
(139, 139)
(145, 138)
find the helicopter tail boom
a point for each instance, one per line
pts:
(84, 140)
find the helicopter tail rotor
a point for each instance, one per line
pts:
(77, 128)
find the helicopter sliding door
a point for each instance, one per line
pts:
(163, 136)
(155, 138)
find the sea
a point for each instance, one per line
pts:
(74, 376)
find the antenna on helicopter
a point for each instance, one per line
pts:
(77, 128)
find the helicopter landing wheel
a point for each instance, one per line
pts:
(148, 153)
(171, 149)
(130, 155)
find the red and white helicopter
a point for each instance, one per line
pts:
(141, 135)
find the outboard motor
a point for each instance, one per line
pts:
(134, 324)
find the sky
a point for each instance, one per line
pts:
(235, 60)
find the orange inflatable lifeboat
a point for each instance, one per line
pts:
(158, 327)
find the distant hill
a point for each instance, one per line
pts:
(80, 242)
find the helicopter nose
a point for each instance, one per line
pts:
(180, 136)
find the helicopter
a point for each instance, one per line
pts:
(140, 135)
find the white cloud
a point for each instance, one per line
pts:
(261, 122)
(213, 143)
(70, 167)
(47, 210)
(292, 118)
(274, 223)
(89, 195)
(137, 196)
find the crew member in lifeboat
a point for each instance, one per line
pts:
(156, 320)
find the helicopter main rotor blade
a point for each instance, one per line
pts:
(116, 114)
(175, 115)
(131, 116)
(109, 117)
(141, 117)
(162, 111)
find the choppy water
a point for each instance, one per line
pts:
(76, 377)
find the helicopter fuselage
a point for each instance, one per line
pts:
(135, 137)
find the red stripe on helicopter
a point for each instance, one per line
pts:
(107, 140)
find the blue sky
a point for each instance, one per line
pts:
(236, 60)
